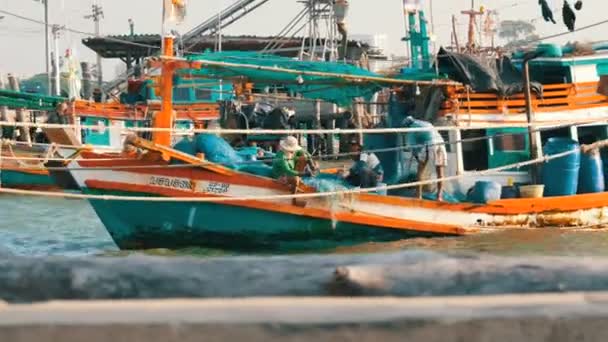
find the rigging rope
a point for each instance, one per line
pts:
(405, 148)
(572, 122)
(584, 148)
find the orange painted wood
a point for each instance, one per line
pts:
(115, 111)
(18, 168)
(503, 207)
(556, 97)
(463, 112)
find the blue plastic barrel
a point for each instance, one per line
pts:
(560, 176)
(484, 192)
(604, 154)
(591, 175)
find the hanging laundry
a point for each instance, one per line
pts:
(547, 12)
(569, 16)
(578, 5)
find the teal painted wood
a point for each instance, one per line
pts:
(503, 152)
(146, 225)
(93, 136)
(16, 179)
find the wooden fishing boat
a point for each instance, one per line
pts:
(484, 129)
(145, 201)
(22, 167)
(102, 125)
(226, 218)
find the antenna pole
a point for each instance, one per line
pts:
(97, 15)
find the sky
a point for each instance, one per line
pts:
(23, 42)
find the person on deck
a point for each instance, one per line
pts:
(367, 170)
(291, 163)
(428, 148)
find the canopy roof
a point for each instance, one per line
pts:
(330, 88)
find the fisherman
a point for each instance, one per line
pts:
(428, 148)
(366, 171)
(291, 163)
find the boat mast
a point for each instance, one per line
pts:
(164, 118)
(473, 14)
(417, 38)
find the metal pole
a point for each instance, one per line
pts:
(432, 16)
(96, 15)
(408, 42)
(99, 65)
(57, 73)
(219, 27)
(47, 47)
(534, 152)
(162, 27)
(455, 33)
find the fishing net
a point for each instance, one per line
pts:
(217, 150)
(496, 76)
(326, 183)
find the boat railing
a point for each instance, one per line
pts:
(201, 111)
(554, 97)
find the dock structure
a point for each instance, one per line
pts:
(530, 318)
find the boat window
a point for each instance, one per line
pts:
(591, 134)
(203, 94)
(550, 74)
(181, 94)
(553, 133)
(510, 142)
(475, 152)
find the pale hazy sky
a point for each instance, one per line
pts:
(23, 42)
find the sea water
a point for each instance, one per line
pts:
(33, 226)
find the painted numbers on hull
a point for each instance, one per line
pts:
(217, 188)
(169, 182)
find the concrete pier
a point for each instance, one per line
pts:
(405, 274)
(530, 318)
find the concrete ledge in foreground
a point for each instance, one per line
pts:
(530, 318)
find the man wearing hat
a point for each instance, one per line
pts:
(291, 163)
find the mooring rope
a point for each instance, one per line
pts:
(406, 148)
(309, 131)
(584, 149)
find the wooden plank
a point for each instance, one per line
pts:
(184, 113)
(168, 152)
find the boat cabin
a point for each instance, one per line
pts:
(195, 101)
(569, 104)
(489, 128)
